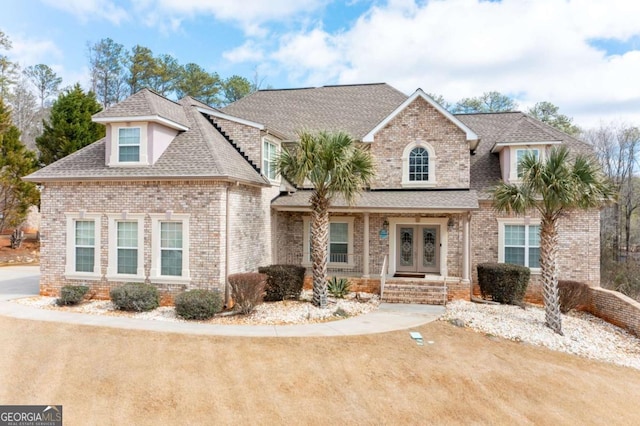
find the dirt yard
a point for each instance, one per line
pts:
(28, 253)
(110, 376)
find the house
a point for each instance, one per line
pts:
(180, 194)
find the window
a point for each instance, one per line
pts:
(170, 240)
(418, 165)
(83, 245)
(340, 250)
(520, 153)
(520, 244)
(128, 144)
(171, 249)
(126, 246)
(269, 151)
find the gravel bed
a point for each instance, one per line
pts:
(271, 313)
(584, 334)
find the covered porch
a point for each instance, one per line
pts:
(401, 244)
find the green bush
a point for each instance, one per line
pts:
(283, 281)
(503, 282)
(71, 294)
(198, 304)
(572, 294)
(247, 290)
(137, 297)
(338, 287)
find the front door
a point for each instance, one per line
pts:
(418, 248)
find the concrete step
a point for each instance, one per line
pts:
(415, 293)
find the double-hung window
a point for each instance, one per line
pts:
(520, 244)
(340, 249)
(418, 165)
(83, 245)
(129, 144)
(520, 153)
(126, 246)
(269, 152)
(170, 241)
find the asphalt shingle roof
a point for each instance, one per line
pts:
(355, 109)
(199, 153)
(390, 200)
(146, 103)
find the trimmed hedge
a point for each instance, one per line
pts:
(247, 290)
(283, 282)
(572, 294)
(137, 297)
(71, 294)
(503, 282)
(198, 304)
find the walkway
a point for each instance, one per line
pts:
(18, 281)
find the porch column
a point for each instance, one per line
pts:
(465, 250)
(365, 248)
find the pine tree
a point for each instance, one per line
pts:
(69, 127)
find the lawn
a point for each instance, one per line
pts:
(112, 376)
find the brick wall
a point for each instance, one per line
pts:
(247, 138)
(615, 308)
(579, 252)
(420, 122)
(204, 201)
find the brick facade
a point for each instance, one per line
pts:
(615, 308)
(421, 122)
(204, 201)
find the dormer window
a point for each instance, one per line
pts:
(520, 153)
(129, 145)
(269, 152)
(418, 165)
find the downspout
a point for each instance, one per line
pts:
(227, 236)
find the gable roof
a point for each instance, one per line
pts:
(199, 153)
(145, 105)
(355, 109)
(471, 135)
(494, 128)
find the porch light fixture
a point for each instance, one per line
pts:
(385, 224)
(450, 224)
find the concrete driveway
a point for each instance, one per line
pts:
(19, 281)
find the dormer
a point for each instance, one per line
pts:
(512, 153)
(140, 129)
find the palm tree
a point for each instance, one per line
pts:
(332, 164)
(552, 188)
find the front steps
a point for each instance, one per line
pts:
(414, 291)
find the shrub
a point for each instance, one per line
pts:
(137, 297)
(338, 287)
(71, 294)
(198, 304)
(283, 281)
(572, 294)
(503, 282)
(247, 290)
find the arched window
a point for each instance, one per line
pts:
(418, 165)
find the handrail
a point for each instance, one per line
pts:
(383, 276)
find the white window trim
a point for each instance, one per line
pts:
(114, 159)
(112, 268)
(513, 221)
(306, 238)
(154, 273)
(70, 265)
(406, 183)
(278, 147)
(513, 159)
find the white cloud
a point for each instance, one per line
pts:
(247, 52)
(249, 14)
(87, 10)
(459, 48)
(29, 51)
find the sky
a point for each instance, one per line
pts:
(582, 55)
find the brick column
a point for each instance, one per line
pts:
(365, 247)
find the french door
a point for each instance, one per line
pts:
(418, 248)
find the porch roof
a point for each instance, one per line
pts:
(388, 200)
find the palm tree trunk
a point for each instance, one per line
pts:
(319, 247)
(549, 267)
